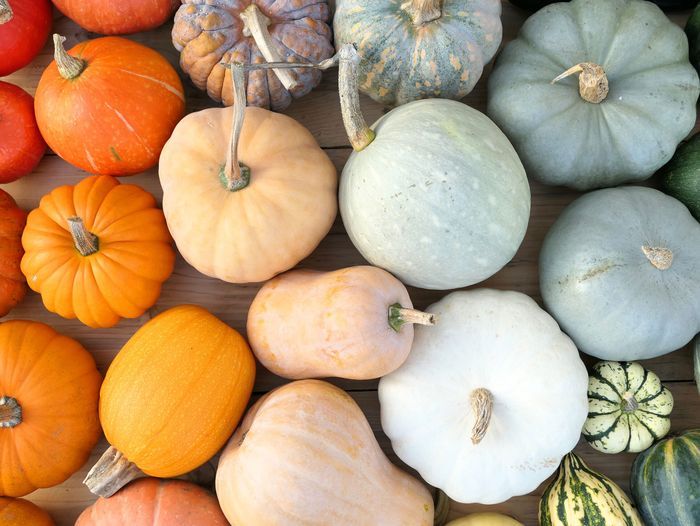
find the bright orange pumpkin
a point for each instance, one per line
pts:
(171, 397)
(110, 17)
(155, 502)
(48, 407)
(12, 283)
(97, 251)
(20, 512)
(111, 110)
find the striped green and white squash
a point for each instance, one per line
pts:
(666, 481)
(628, 408)
(579, 496)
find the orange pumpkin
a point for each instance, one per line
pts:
(117, 18)
(97, 251)
(12, 284)
(171, 397)
(48, 407)
(20, 512)
(111, 110)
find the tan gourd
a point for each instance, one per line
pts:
(306, 455)
(352, 323)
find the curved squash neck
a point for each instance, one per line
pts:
(10, 412)
(6, 13)
(69, 67)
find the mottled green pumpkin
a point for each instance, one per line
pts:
(533, 5)
(417, 49)
(681, 176)
(692, 29)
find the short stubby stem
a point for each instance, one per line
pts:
(592, 81)
(399, 316)
(69, 67)
(6, 13)
(482, 405)
(10, 412)
(85, 242)
(630, 402)
(660, 257)
(111, 472)
(423, 11)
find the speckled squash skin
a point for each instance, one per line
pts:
(207, 32)
(453, 222)
(564, 140)
(403, 61)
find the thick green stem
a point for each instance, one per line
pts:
(482, 405)
(10, 412)
(592, 81)
(5, 12)
(399, 316)
(423, 11)
(359, 133)
(69, 67)
(85, 242)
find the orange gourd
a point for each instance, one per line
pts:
(110, 17)
(154, 502)
(171, 397)
(20, 512)
(108, 105)
(97, 251)
(352, 323)
(48, 407)
(12, 283)
(305, 454)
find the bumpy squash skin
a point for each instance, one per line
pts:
(402, 61)
(680, 178)
(666, 481)
(581, 496)
(20, 512)
(692, 29)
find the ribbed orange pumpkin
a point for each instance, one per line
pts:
(20, 512)
(48, 407)
(12, 284)
(171, 398)
(97, 251)
(155, 502)
(111, 110)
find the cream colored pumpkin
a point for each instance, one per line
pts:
(351, 323)
(485, 519)
(305, 455)
(489, 400)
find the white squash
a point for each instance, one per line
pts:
(489, 400)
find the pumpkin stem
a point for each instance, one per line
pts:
(423, 11)
(69, 67)
(442, 508)
(10, 412)
(482, 405)
(6, 13)
(661, 258)
(592, 81)
(236, 175)
(399, 316)
(631, 404)
(359, 133)
(111, 472)
(255, 24)
(85, 242)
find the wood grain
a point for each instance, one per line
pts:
(321, 114)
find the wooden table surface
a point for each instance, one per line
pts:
(320, 112)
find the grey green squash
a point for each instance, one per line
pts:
(621, 119)
(680, 178)
(666, 481)
(417, 49)
(580, 496)
(692, 29)
(628, 408)
(619, 272)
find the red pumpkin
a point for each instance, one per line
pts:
(12, 283)
(118, 17)
(24, 27)
(21, 144)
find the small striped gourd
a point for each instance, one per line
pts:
(580, 496)
(628, 408)
(666, 481)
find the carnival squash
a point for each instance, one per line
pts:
(477, 393)
(633, 102)
(247, 193)
(666, 481)
(485, 519)
(307, 448)
(618, 270)
(253, 31)
(98, 251)
(579, 495)
(108, 105)
(417, 49)
(171, 397)
(628, 408)
(24, 28)
(22, 146)
(681, 176)
(13, 286)
(48, 407)
(434, 192)
(692, 30)
(20, 512)
(154, 502)
(356, 323)
(108, 17)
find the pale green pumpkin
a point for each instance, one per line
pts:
(416, 49)
(622, 119)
